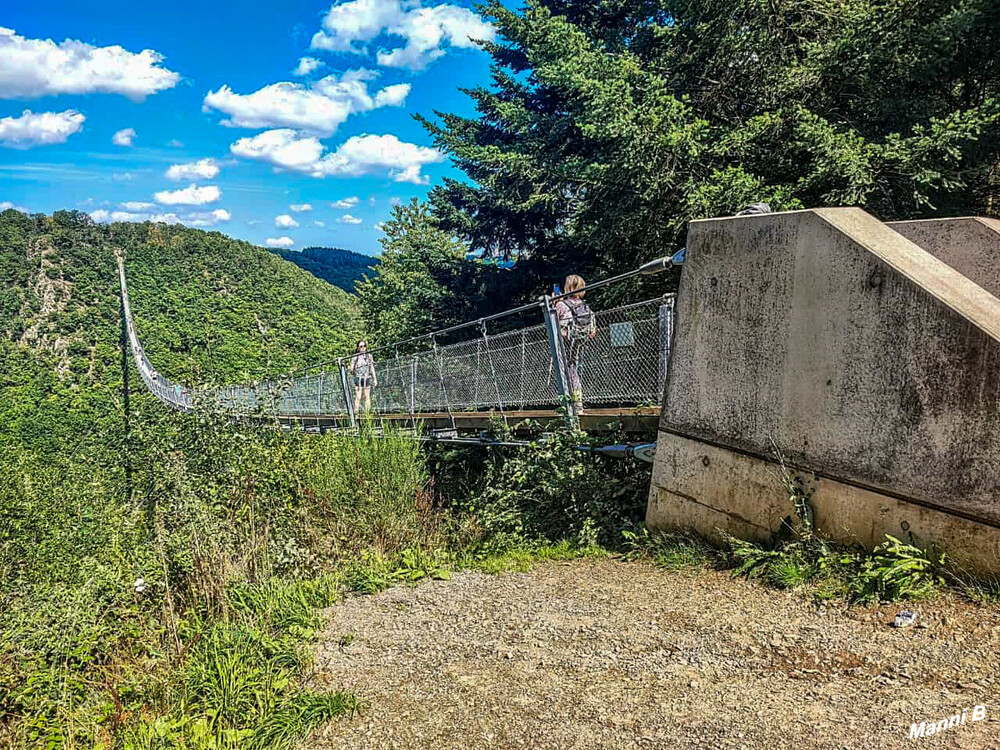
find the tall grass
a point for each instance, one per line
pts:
(180, 616)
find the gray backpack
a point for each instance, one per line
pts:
(580, 321)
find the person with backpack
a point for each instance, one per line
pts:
(576, 327)
(363, 370)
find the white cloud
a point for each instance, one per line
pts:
(380, 226)
(348, 219)
(103, 216)
(392, 96)
(254, 222)
(319, 107)
(5, 205)
(320, 223)
(395, 201)
(203, 169)
(33, 68)
(283, 148)
(346, 202)
(192, 195)
(426, 31)
(138, 206)
(358, 156)
(307, 65)
(41, 129)
(347, 24)
(123, 137)
(279, 242)
(367, 154)
(299, 208)
(285, 222)
(195, 219)
(122, 176)
(208, 218)
(174, 143)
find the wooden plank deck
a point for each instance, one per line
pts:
(633, 419)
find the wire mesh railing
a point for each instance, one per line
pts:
(494, 366)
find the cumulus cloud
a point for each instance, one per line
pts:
(380, 226)
(194, 219)
(203, 169)
(358, 156)
(103, 216)
(138, 206)
(283, 148)
(33, 68)
(319, 107)
(285, 222)
(192, 195)
(208, 218)
(285, 242)
(39, 129)
(307, 65)
(425, 31)
(346, 202)
(123, 137)
(299, 208)
(348, 219)
(320, 223)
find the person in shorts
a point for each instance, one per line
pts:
(363, 370)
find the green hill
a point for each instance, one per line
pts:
(342, 268)
(208, 308)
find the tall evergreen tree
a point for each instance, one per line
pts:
(609, 125)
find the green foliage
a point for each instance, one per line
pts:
(208, 649)
(893, 571)
(979, 588)
(669, 550)
(424, 281)
(341, 268)
(373, 571)
(417, 286)
(551, 491)
(174, 616)
(608, 126)
(209, 309)
(896, 570)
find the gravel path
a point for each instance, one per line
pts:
(606, 654)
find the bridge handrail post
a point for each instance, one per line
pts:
(347, 393)
(558, 358)
(413, 390)
(665, 317)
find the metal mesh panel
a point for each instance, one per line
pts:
(625, 362)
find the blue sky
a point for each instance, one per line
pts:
(221, 123)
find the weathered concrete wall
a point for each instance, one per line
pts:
(716, 490)
(830, 339)
(969, 244)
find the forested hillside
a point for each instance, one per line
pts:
(342, 268)
(209, 309)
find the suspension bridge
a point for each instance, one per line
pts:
(512, 365)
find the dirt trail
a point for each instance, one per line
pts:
(605, 654)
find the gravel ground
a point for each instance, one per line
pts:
(606, 654)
